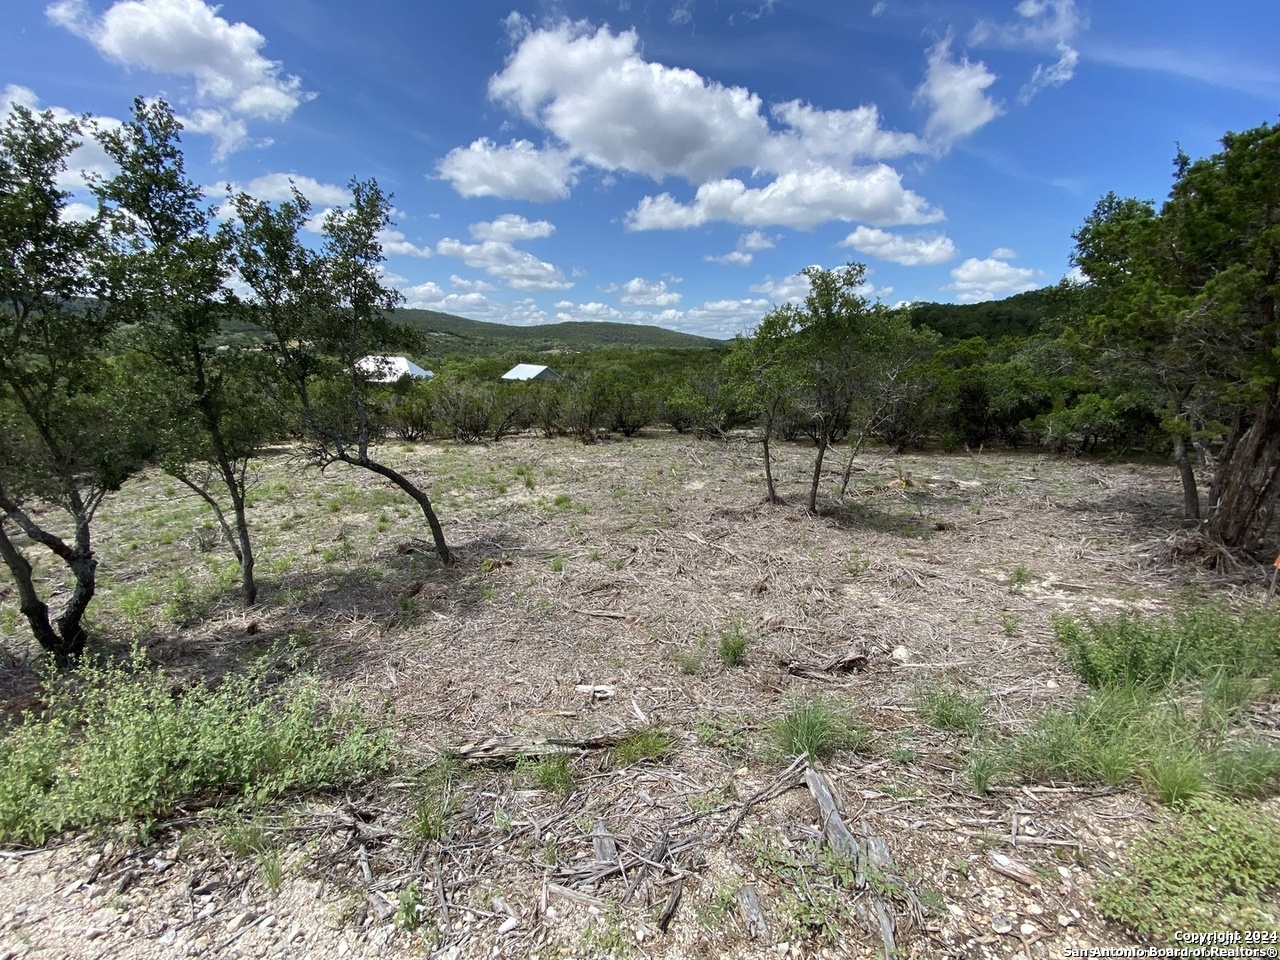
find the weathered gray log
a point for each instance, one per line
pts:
(749, 904)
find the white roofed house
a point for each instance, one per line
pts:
(530, 371)
(389, 369)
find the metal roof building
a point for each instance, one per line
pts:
(388, 369)
(530, 371)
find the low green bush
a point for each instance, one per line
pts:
(1201, 639)
(817, 729)
(1214, 869)
(118, 743)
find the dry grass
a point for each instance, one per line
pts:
(617, 559)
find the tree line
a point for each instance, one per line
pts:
(113, 356)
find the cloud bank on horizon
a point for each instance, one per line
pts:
(675, 165)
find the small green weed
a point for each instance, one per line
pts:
(688, 661)
(1009, 622)
(947, 708)
(410, 909)
(732, 647)
(1021, 577)
(817, 728)
(647, 743)
(553, 773)
(557, 564)
(726, 733)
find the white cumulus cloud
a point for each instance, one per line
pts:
(511, 228)
(910, 251)
(638, 292)
(801, 200)
(976, 280)
(275, 187)
(519, 269)
(594, 92)
(603, 104)
(189, 38)
(793, 288)
(517, 171)
(88, 158)
(955, 93)
(749, 244)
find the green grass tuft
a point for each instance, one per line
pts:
(817, 729)
(947, 708)
(647, 743)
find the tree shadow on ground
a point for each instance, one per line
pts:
(317, 621)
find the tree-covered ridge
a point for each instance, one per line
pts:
(444, 335)
(1021, 315)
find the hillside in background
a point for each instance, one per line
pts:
(1022, 315)
(448, 335)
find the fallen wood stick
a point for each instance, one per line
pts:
(513, 747)
(673, 903)
(749, 904)
(657, 853)
(1014, 869)
(871, 854)
(606, 848)
(785, 781)
(824, 670)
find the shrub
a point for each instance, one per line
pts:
(1215, 869)
(1130, 733)
(116, 743)
(1201, 639)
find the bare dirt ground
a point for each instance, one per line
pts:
(618, 567)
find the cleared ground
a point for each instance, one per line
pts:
(595, 587)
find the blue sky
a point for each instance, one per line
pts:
(675, 162)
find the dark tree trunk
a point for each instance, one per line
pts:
(817, 473)
(771, 491)
(409, 487)
(1247, 481)
(248, 585)
(227, 533)
(67, 641)
(1186, 470)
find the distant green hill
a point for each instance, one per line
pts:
(1021, 315)
(446, 335)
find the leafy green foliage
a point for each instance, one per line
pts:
(70, 431)
(1214, 869)
(117, 743)
(1187, 306)
(1200, 639)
